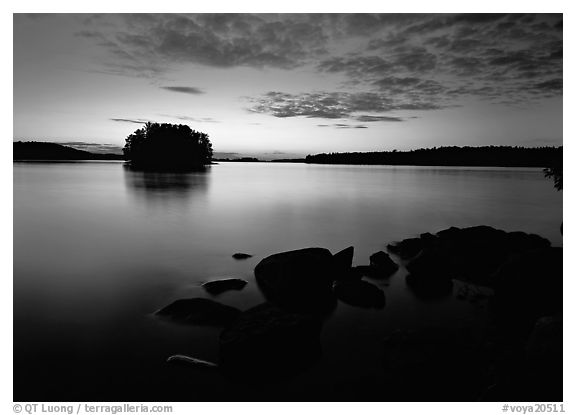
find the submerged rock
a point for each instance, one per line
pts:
(219, 286)
(298, 280)
(240, 255)
(360, 294)
(267, 340)
(382, 265)
(200, 311)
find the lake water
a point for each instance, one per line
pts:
(98, 248)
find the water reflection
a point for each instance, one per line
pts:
(154, 186)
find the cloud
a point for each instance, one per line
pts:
(183, 89)
(130, 120)
(510, 58)
(420, 60)
(218, 40)
(338, 105)
(377, 118)
(193, 119)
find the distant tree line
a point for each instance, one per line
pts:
(496, 156)
(39, 150)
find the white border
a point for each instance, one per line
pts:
(114, 6)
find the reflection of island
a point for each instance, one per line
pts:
(154, 185)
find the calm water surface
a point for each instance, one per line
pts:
(98, 248)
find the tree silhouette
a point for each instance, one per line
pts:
(555, 173)
(168, 146)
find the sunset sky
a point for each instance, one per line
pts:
(281, 85)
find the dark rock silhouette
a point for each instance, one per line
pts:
(382, 266)
(217, 287)
(407, 248)
(268, 342)
(435, 364)
(240, 255)
(469, 254)
(529, 286)
(167, 147)
(298, 280)
(360, 294)
(362, 271)
(344, 258)
(200, 311)
(343, 264)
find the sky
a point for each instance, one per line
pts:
(288, 85)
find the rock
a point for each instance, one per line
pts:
(268, 341)
(428, 239)
(407, 248)
(544, 346)
(448, 233)
(219, 286)
(240, 255)
(530, 367)
(343, 263)
(429, 274)
(298, 280)
(427, 287)
(382, 265)
(430, 261)
(198, 363)
(200, 311)
(353, 274)
(434, 364)
(519, 242)
(529, 286)
(360, 294)
(471, 254)
(362, 271)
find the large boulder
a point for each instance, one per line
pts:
(407, 248)
(429, 274)
(342, 264)
(268, 341)
(199, 311)
(217, 287)
(382, 265)
(471, 254)
(529, 286)
(299, 280)
(360, 294)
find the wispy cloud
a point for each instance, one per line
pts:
(192, 119)
(130, 120)
(338, 105)
(183, 89)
